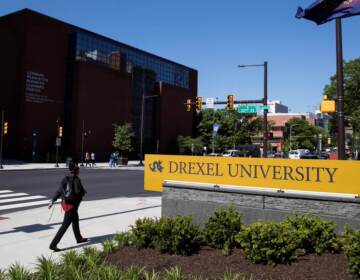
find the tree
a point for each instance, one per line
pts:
(303, 135)
(235, 128)
(189, 146)
(351, 94)
(122, 138)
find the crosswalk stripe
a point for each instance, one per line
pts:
(12, 194)
(2, 201)
(26, 204)
(5, 191)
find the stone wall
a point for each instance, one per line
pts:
(201, 201)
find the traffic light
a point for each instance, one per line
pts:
(230, 102)
(327, 106)
(188, 105)
(198, 104)
(6, 128)
(60, 134)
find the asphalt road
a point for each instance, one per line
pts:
(27, 186)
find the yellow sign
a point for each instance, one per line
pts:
(334, 176)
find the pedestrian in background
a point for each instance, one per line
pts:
(71, 192)
(92, 157)
(87, 159)
(111, 160)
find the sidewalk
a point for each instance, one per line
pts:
(26, 235)
(132, 165)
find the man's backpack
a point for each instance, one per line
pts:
(68, 192)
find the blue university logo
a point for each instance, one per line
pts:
(156, 166)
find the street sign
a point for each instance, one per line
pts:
(247, 109)
(264, 107)
(210, 103)
(58, 141)
(216, 127)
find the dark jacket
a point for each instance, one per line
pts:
(79, 190)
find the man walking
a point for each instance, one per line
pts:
(71, 192)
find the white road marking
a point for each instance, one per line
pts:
(21, 198)
(5, 191)
(12, 194)
(26, 204)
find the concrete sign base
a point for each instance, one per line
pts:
(201, 200)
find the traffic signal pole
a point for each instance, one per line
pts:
(265, 109)
(1, 138)
(340, 91)
(57, 147)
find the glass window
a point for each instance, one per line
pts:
(102, 51)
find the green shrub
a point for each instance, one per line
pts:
(315, 235)
(221, 228)
(268, 243)
(133, 273)
(105, 272)
(72, 258)
(2, 274)
(177, 235)
(351, 248)
(47, 269)
(173, 273)
(108, 246)
(152, 275)
(122, 239)
(18, 272)
(143, 232)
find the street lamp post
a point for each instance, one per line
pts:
(33, 154)
(84, 134)
(265, 101)
(142, 126)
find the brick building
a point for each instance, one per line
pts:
(54, 73)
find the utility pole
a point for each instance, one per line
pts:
(56, 143)
(1, 138)
(82, 143)
(265, 109)
(264, 102)
(340, 91)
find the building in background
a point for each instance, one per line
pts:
(276, 107)
(54, 73)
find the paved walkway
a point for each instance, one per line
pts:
(26, 235)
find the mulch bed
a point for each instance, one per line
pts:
(212, 264)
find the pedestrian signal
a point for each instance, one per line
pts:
(188, 105)
(198, 104)
(230, 102)
(6, 127)
(60, 134)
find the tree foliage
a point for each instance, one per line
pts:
(351, 93)
(235, 128)
(123, 135)
(303, 135)
(188, 145)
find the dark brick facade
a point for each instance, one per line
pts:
(42, 82)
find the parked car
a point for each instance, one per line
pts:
(249, 151)
(214, 155)
(231, 153)
(309, 156)
(296, 154)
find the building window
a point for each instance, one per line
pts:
(106, 52)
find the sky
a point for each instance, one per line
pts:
(214, 37)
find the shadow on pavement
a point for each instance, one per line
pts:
(40, 227)
(92, 241)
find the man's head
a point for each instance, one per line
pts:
(74, 168)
